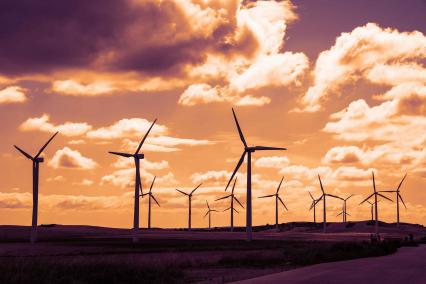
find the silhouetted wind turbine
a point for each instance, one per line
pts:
(345, 211)
(138, 184)
(150, 196)
(277, 198)
(247, 150)
(232, 196)
(36, 161)
(209, 211)
(398, 197)
(375, 194)
(189, 200)
(324, 197)
(313, 205)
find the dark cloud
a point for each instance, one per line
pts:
(150, 36)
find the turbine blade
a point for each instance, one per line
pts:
(23, 152)
(239, 129)
(45, 145)
(236, 210)
(140, 180)
(367, 198)
(146, 135)
(279, 198)
(335, 196)
(226, 209)
(206, 214)
(347, 214)
(238, 202)
(339, 214)
(236, 168)
(312, 205)
(233, 186)
(267, 148)
(311, 195)
(400, 196)
(374, 182)
(399, 186)
(265, 196)
(388, 191)
(347, 198)
(322, 189)
(140, 188)
(150, 188)
(155, 200)
(182, 192)
(223, 197)
(195, 189)
(381, 195)
(279, 186)
(121, 154)
(207, 205)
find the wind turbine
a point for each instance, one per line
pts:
(209, 211)
(232, 196)
(189, 200)
(277, 198)
(375, 194)
(247, 150)
(313, 205)
(344, 212)
(36, 165)
(398, 197)
(324, 197)
(150, 196)
(138, 185)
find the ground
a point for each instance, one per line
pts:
(85, 254)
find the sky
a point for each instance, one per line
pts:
(341, 84)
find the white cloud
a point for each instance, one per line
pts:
(74, 88)
(272, 162)
(84, 182)
(266, 21)
(127, 127)
(12, 94)
(369, 52)
(72, 159)
(43, 124)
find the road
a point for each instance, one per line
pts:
(407, 266)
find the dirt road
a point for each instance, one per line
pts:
(408, 265)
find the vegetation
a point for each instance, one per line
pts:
(169, 262)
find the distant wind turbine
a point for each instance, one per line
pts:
(375, 194)
(138, 184)
(324, 197)
(36, 161)
(277, 198)
(209, 212)
(398, 197)
(189, 202)
(313, 205)
(344, 212)
(247, 150)
(232, 196)
(150, 196)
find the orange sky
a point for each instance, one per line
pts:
(342, 87)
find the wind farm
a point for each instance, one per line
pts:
(211, 141)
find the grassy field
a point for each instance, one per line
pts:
(179, 261)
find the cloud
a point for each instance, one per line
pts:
(43, 124)
(73, 88)
(229, 79)
(127, 127)
(368, 52)
(272, 162)
(148, 165)
(56, 179)
(124, 178)
(12, 94)
(84, 182)
(71, 159)
(343, 154)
